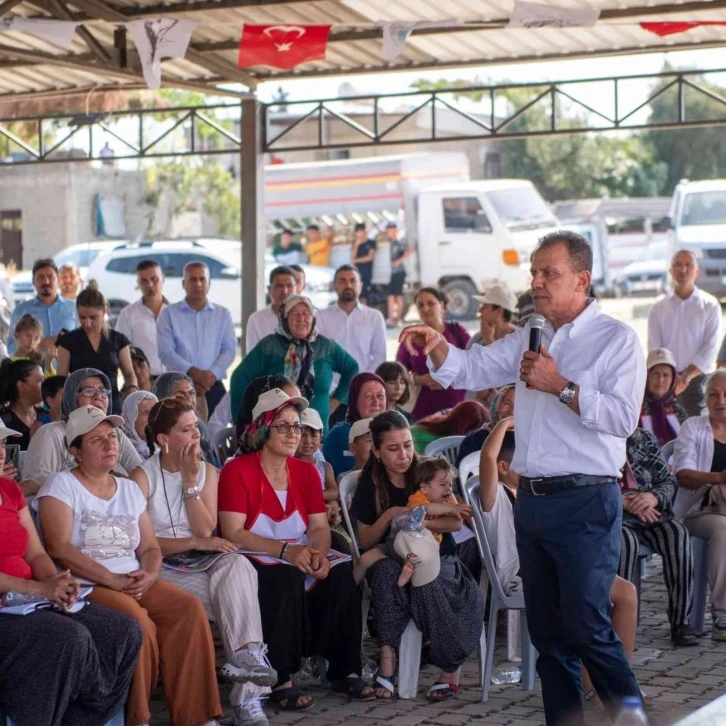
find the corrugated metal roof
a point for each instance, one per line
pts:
(31, 66)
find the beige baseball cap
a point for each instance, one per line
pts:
(311, 418)
(5, 432)
(274, 399)
(660, 357)
(422, 552)
(359, 428)
(499, 295)
(85, 419)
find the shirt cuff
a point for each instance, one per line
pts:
(588, 400)
(450, 368)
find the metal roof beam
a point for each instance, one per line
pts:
(60, 10)
(8, 5)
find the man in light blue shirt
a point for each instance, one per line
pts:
(197, 338)
(54, 312)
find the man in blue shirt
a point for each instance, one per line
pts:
(197, 337)
(54, 312)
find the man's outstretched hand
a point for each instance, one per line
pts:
(421, 335)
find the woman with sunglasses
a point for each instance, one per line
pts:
(48, 453)
(272, 503)
(181, 491)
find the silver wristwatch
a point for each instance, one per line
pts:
(567, 394)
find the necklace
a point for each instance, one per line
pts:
(168, 506)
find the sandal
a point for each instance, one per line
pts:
(352, 688)
(684, 635)
(442, 691)
(291, 696)
(386, 684)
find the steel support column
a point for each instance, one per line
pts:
(253, 205)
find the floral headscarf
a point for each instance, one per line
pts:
(130, 413)
(299, 357)
(256, 434)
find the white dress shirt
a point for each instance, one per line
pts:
(693, 450)
(362, 334)
(138, 324)
(259, 326)
(689, 328)
(596, 352)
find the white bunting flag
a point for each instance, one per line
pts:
(536, 15)
(158, 39)
(58, 32)
(395, 34)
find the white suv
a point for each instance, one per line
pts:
(115, 273)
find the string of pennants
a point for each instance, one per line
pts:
(289, 45)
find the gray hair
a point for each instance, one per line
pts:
(196, 263)
(718, 375)
(578, 248)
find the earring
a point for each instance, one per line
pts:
(166, 448)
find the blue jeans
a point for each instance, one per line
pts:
(569, 550)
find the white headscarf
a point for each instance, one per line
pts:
(130, 413)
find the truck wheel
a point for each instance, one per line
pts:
(462, 305)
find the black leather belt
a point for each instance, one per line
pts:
(553, 484)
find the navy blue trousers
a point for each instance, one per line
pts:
(569, 550)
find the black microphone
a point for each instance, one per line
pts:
(536, 323)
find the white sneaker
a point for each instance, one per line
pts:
(250, 713)
(250, 665)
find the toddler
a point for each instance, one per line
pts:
(28, 335)
(52, 392)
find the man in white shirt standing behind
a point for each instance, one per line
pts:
(687, 321)
(576, 402)
(358, 329)
(138, 321)
(264, 322)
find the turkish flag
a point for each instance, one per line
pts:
(282, 46)
(665, 29)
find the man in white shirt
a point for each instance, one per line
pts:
(358, 329)
(264, 322)
(687, 321)
(138, 321)
(576, 402)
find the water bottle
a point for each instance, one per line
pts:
(510, 673)
(631, 713)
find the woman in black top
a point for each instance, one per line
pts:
(448, 611)
(20, 398)
(93, 345)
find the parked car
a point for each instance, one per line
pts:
(115, 272)
(82, 255)
(649, 274)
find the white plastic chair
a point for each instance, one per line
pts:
(667, 451)
(499, 600)
(469, 465)
(224, 442)
(116, 720)
(447, 446)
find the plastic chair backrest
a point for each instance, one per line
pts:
(471, 487)
(346, 490)
(668, 450)
(447, 446)
(224, 441)
(469, 465)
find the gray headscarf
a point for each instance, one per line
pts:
(73, 384)
(164, 384)
(130, 413)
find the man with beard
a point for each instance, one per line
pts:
(53, 312)
(358, 329)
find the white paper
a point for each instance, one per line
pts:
(536, 15)
(158, 39)
(58, 32)
(395, 34)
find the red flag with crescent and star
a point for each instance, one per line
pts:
(667, 28)
(282, 46)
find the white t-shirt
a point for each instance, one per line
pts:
(499, 528)
(107, 531)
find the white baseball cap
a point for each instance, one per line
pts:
(274, 399)
(661, 357)
(85, 419)
(499, 295)
(422, 551)
(311, 418)
(359, 428)
(5, 432)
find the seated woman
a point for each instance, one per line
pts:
(398, 386)
(135, 414)
(182, 502)
(272, 503)
(82, 664)
(296, 351)
(20, 397)
(448, 611)
(249, 401)
(48, 453)
(366, 399)
(464, 418)
(661, 414)
(700, 468)
(648, 488)
(95, 524)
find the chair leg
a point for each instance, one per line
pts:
(409, 661)
(491, 638)
(514, 636)
(481, 656)
(529, 655)
(700, 582)
(637, 583)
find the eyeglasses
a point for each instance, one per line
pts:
(284, 428)
(93, 392)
